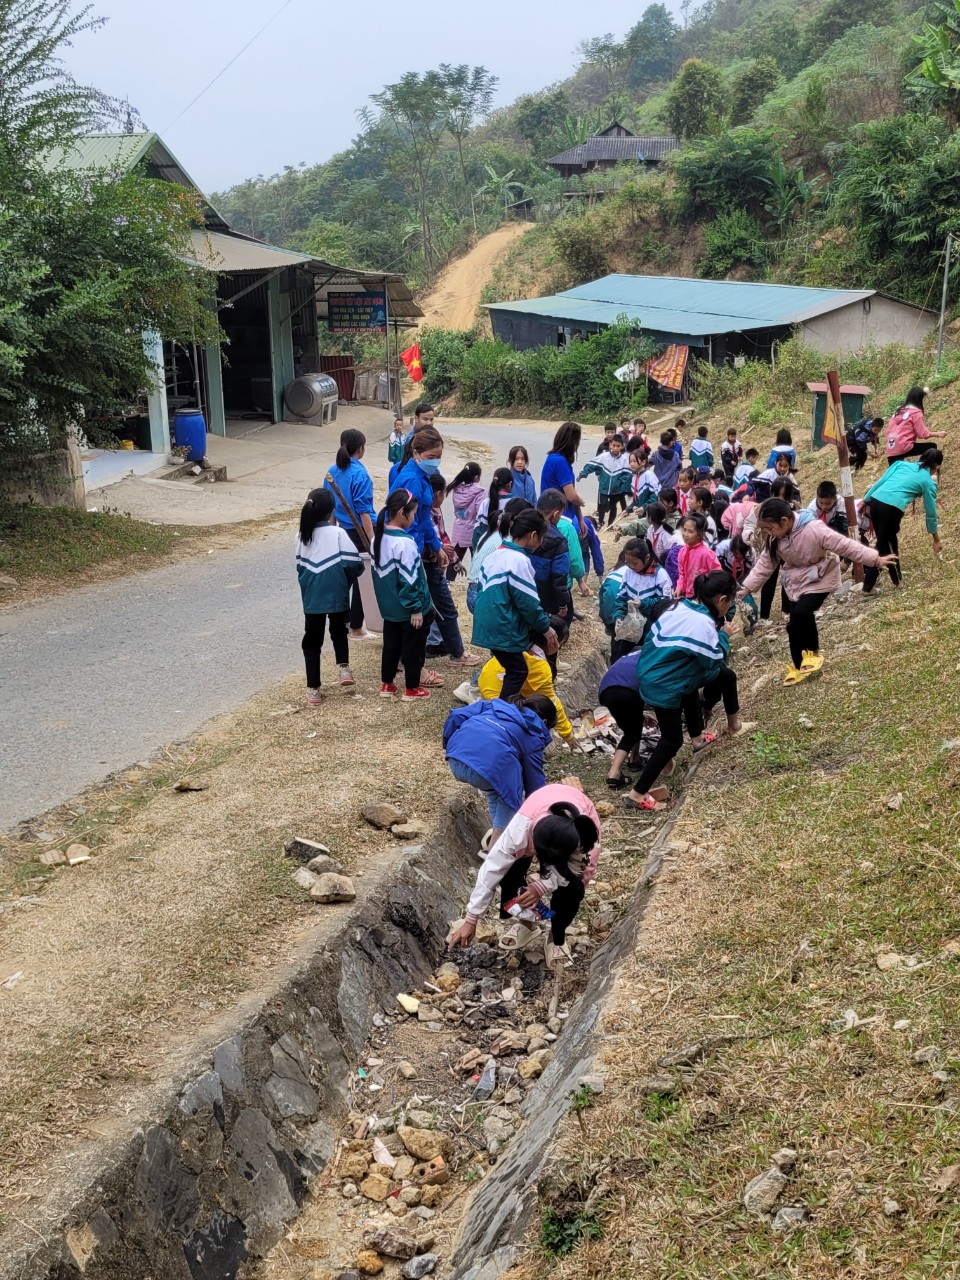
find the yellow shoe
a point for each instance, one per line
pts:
(793, 676)
(812, 662)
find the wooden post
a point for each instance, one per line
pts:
(835, 429)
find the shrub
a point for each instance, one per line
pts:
(442, 352)
(577, 244)
(731, 172)
(733, 240)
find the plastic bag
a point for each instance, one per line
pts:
(631, 627)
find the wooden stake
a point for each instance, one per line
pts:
(835, 408)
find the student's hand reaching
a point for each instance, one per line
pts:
(416, 621)
(884, 561)
(463, 936)
(528, 898)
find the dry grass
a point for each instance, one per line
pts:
(767, 930)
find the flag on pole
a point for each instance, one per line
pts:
(834, 428)
(411, 358)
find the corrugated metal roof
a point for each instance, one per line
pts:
(649, 147)
(227, 253)
(674, 304)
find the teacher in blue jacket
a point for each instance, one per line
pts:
(498, 748)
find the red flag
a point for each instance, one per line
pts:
(411, 358)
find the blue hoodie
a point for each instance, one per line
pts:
(416, 481)
(503, 743)
(524, 486)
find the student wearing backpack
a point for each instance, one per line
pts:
(907, 430)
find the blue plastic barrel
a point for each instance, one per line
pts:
(190, 430)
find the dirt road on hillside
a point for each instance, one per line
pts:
(453, 303)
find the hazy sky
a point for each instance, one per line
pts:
(294, 94)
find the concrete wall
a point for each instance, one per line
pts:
(53, 479)
(878, 321)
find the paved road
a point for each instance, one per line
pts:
(100, 678)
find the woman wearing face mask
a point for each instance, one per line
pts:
(508, 609)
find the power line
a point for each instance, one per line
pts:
(286, 4)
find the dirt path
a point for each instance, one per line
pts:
(453, 303)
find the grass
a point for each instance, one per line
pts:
(51, 542)
(767, 929)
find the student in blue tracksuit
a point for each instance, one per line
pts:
(403, 597)
(356, 488)
(636, 576)
(498, 748)
(328, 565)
(508, 611)
(524, 485)
(686, 649)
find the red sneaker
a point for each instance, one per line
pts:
(388, 691)
(414, 695)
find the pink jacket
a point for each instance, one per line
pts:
(809, 557)
(691, 562)
(466, 503)
(904, 429)
(735, 515)
(516, 841)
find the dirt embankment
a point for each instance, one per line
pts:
(453, 303)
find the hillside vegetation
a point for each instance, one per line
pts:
(818, 145)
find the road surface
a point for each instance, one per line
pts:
(96, 679)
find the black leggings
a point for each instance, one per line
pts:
(626, 707)
(514, 672)
(610, 502)
(670, 720)
(921, 446)
(404, 643)
(356, 604)
(314, 627)
(802, 625)
(564, 903)
(886, 525)
(768, 591)
(724, 688)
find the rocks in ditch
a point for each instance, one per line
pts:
(369, 1263)
(331, 887)
(431, 1197)
(418, 1119)
(376, 1187)
(422, 1265)
(324, 863)
(425, 1144)
(790, 1218)
(391, 1242)
(383, 816)
(303, 850)
(408, 830)
(406, 1071)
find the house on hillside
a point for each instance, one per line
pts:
(613, 145)
(268, 301)
(719, 320)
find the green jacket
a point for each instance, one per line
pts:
(569, 530)
(399, 579)
(683, 651)
(901, 483)
(508, 609)
(639, 528)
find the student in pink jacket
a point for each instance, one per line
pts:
(467, 494)
(558, 825)
(695, 556)
(808, 553)
(907, 430)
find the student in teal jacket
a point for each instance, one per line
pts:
(403, 596)
(328, 565)
(508, 612)
(889, 498)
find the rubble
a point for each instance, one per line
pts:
(391, 1243)
(425, 1144)
(331, 887)
(383, 816)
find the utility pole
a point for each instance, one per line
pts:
(835, 429)
(943, 300)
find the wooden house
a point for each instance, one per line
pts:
(613, 145)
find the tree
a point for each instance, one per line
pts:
(731, 171)
(838, 16)
(539, 121)
(696, 102)
(470, 95)
(88, 263)
(935, 80)
(610, 58)
(652, 45)
(502, 186)
(790, 192)
(751, 86)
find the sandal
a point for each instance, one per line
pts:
(646, 805)
(796, 675)
(708, 740)
(557, 957)
(812, 662)
(431, 680)
(618, 784)
(517, 936)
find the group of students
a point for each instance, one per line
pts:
(697, 549)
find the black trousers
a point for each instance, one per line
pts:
(768, 591)
(921, 446)
(626, 707)
(356, 604)
(610, 503)
(565, 902)
(514, 672)
(802, 625)
(314, 628)
(886, 525)
(670, 720)
(723, 688)
(406, 644)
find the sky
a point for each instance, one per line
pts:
(293, 95)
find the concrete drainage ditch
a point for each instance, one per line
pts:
(228, 1165)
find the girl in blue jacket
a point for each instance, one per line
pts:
(328, 565)
(498, 748)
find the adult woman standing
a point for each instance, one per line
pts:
(889, 499)
(907, 430)
(808, 553)
(558, 473)
(349, 482)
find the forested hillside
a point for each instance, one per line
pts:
(819, 145)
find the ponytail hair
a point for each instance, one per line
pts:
(502, 479)
(317, 509)
(400, 500)
(538, 703)
(469, 475)
(708, 586)
(931, 459)
(351, 442)
(519, 524)
(636, 547)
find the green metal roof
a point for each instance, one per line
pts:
(681, 307)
